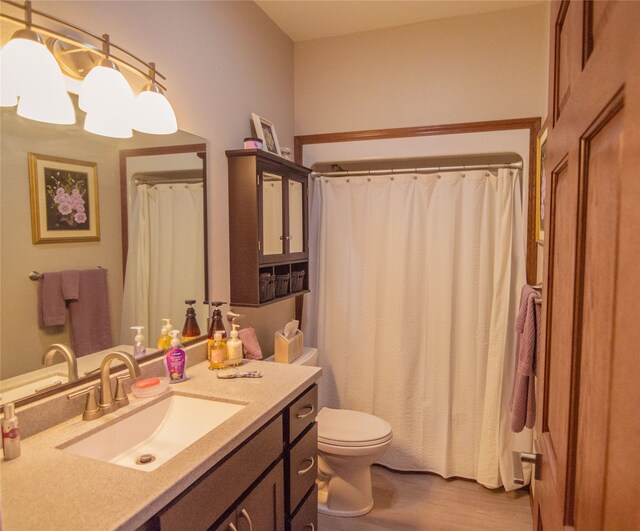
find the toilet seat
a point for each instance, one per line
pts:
(351, 429)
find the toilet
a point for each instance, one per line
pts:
(349, 442)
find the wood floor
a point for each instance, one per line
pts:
(428, 502)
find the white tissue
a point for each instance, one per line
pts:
(291, 328)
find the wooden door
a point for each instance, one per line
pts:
(588, 426)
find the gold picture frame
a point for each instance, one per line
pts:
(541, 154)
(266, 131)
(64, 200)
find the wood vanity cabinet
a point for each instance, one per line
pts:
(267, 483)
(301, 462)
(268, 227)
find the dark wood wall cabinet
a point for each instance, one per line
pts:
(267, 483)
(268, 227)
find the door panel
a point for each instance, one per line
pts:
(601, 155)
(588, 425)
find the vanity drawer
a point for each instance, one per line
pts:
(205, 501)
(306, 519)
(303, 466)
(302, 412)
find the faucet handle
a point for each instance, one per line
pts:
(121, 398)
(91, 409)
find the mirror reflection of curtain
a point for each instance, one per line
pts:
(165, 260)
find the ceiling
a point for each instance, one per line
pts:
(304, 20)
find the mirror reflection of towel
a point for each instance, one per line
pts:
(90, 319)
(55, 290)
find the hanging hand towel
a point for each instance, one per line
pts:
(90, 319)
(55, 289)
(51, 305)
(523, 398)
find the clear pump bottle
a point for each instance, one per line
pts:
(139, 347)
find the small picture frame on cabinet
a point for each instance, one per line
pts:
(266, 131)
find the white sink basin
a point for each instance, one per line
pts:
(161, 430)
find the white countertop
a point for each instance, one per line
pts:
(47, 488)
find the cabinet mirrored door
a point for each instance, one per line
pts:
(272, 215)
(295, 234)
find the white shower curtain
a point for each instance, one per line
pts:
(165, 260)
(412, 309)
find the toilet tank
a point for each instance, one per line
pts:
(309, 357)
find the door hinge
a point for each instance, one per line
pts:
(258, 245)
(257, 179)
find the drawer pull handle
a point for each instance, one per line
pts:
(305, 470)
(232, 527)
(305, 415)
(310, 526)
(246, 515)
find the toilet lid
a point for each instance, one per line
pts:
(343, 427)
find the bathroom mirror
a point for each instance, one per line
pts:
(179, 158)
(272, 236)
(296, 222)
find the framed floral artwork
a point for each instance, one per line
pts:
(266, 131)
(64, 199)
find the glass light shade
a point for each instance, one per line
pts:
(54, 107)
(153, 113)
(111, 124)
(105, 90)
(8, 87)
(29, 71)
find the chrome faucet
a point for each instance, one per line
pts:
(67, 354)
(107, 402)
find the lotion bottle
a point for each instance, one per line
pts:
(176, 360)
(139, 348)
(217, 351)
(216, 320)
(234, 348)
(10, 433)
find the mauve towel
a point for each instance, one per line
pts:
(52, 309)
(523, 397)
(90, 320)
(55, 289)
(250, 345)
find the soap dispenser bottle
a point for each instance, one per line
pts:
(176, 360)
(164, 341)
(216, 351)
(10, 433)
(216, 320)
(139, 348)
(234, 348)
(190, 330)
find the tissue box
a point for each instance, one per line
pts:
(287, 350)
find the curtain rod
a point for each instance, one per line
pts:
(433, 169)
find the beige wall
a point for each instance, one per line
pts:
(463, 69)
(223, 61)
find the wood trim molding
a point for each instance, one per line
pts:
(531, 123)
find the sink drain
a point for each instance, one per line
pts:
(145, 459)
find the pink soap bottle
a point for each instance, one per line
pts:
(176, 360)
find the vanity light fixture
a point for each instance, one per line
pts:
(107, 98)
(152, 111)
(31, 78)
(39, 90)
